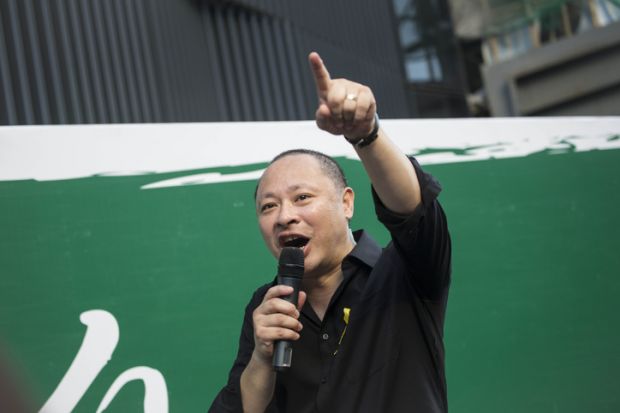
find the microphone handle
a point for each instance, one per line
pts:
(283, 349)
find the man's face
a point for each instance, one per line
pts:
(299, 205)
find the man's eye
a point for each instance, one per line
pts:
(267, 207)
(303, 197)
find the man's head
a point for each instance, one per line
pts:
(303, 200)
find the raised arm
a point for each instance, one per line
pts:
(348, 108)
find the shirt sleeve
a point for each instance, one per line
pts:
(422, 237)
(228, 399)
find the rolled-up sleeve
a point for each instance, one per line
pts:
(422, 237)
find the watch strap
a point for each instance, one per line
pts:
(374, 133)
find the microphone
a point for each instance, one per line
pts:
(290, 271)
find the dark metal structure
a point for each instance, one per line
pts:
(434, 67)
(110, 61)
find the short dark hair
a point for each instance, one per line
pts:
(326, 162)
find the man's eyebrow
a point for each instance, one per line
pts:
(263, 196)
(291, 188)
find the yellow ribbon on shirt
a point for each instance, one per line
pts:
(345, 316)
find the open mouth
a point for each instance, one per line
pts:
(296, 241)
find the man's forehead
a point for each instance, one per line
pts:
(297, 165)
(291, 173)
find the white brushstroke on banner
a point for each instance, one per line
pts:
(206, 178)
(155, 389)
(77, 151)
(99, 342)
(102, 336)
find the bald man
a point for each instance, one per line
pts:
(368, 327)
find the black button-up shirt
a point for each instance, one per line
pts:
(388, 354)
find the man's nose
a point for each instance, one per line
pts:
(287, 215)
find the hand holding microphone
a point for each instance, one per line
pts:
(276, 323)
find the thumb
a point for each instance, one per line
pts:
(302, 300)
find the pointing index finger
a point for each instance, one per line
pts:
(320, 73)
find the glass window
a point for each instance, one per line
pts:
(423, 66)
(409, 34)
(435, 66)
(404, 8)
(417, 67)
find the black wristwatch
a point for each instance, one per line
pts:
(363, 142)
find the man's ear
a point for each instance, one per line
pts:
(348, 201)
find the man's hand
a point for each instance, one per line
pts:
(275, 319)
(345, 107)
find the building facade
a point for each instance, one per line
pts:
(117, 61)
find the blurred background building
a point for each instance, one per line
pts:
(110, 61)
(541, 57)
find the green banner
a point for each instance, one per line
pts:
(130, 251)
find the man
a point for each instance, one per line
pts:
(368, 329)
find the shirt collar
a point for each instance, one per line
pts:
(366, 250)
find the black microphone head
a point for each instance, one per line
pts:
(291, 262)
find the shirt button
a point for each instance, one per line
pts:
(323, 380)
(325, 336)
